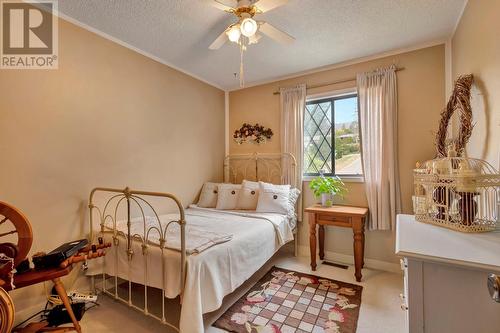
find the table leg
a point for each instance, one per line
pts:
(321, 236)
(312, 239)
(64, 298)
(359, 236)
(363, 252)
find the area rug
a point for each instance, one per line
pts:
(285, 301)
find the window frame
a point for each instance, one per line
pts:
(332, 97)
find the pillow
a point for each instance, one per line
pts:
(208, 196)
(292, 200)
(276, 187)
(294, 196)
(228, 196)
(250, 183)
(273, 198)
(249, 195)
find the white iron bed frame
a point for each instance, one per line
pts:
(257, 167)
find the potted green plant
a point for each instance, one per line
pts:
(326, 188)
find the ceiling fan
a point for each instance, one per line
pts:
(247, 30)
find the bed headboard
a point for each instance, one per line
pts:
(276, 168)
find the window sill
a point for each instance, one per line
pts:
(345, 179)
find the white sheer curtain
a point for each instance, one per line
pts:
(293, 103)
(377, 94)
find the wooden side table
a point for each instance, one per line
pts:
(339, 216)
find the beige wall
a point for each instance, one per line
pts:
(420, 98)
(476, 50)
(107, 117)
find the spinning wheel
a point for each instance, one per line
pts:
(22, 228)
(13, 255)
(6, 312)
(13, 223)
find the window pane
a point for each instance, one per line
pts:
(347, 143)
(318, 137)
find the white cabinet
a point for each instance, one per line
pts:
(445, 278)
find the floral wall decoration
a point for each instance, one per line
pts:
(252, 133)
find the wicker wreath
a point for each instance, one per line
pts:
(459, 101)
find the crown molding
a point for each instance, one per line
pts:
(344, 63)
(120, 42)
(266, 81)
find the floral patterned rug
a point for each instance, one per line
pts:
(285, 301)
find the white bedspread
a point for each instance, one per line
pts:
(199, 235)
(215, 272)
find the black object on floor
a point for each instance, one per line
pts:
(329, 263)
(58, 315)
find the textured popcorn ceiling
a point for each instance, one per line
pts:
(178, 32)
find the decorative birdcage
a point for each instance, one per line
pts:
(457, 193)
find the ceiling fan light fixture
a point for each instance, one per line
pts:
(247, 31)
(234, 33)
(248, 27)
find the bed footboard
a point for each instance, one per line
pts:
(134, 207)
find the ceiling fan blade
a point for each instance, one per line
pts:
(267, 5)
(225, 5)
(276, 34)
(254, 39)
(221, 40)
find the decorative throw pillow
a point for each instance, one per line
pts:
(228, 196)
(294, 196)
(249, 195)
(276, 187)
(249, 183)
(208, 196)
(273, 198)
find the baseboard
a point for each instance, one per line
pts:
(349, 259)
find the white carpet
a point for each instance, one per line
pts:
(380, 308)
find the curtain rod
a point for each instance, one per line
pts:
(334, 82)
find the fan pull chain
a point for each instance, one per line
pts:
(242, 72)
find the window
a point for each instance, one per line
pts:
(331, 136)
